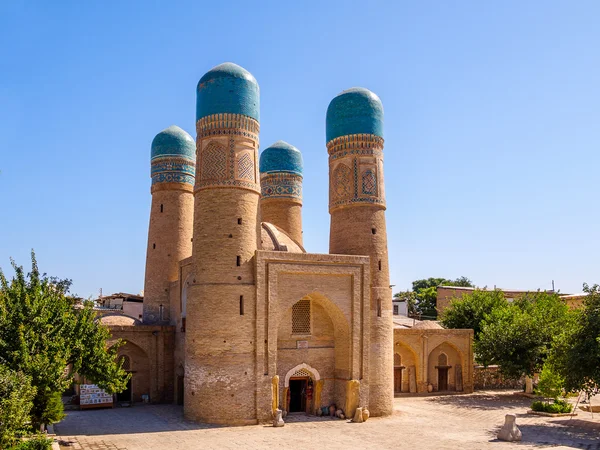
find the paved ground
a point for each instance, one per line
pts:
(448, 422)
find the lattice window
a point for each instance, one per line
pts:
(301, 317)
(214, 162)
(397, 359)
(369, 182)
(126, 362)
(340, 183)
(442, 359)
(245, 167)
(302, 373)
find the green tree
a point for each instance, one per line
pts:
(41, 333)
(16, 395)
(471, 309)
(519, 336)
(424, 300)
(575, 354)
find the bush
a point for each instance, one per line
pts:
(558, 407)
(36, 442)
(16, 395)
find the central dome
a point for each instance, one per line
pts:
(354, 111)
(173, 141)
(227, 88)
(281, 157)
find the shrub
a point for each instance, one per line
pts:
(16, 395)
(35, 442)
(558, 407)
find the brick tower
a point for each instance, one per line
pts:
(357, 208)
(281, 186)
(220, 375)
(171, 218)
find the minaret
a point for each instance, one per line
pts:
(281, 187)
(171, 218)
(357, 208)
(220, 375)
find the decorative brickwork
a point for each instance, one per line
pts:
(245, 167)
(214, 162)
(235, 163)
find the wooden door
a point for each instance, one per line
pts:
(442, 379)
(397, 379)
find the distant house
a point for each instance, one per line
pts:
(130, 304)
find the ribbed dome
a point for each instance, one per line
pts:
(227, 88)
(173, 141)
(354, 111)
(281, 157)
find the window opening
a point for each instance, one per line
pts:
(241, 305)
(378, 307)
(301, 317)
(238, 261)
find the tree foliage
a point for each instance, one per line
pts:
(41, 333)
(519, 337)
(576, 351)
(422, 301)
(16, 401)
(469, 311)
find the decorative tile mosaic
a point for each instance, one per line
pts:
(369, 182)
(281, 185)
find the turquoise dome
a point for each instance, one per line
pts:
(354, 111)
(281, 157)
(227, 88)
(173, 141)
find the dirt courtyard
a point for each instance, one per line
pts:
(432, 422)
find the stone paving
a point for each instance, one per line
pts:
(440, 422)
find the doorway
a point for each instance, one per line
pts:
(442, 378)
(298, 394)
(397, 379)
(125, 396)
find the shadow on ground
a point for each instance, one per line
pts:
(486, 401)
(138, 419)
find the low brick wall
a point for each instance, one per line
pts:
(491, 378)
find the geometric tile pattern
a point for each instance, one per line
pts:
(281, 185)
(172, 169)
(214, 162)
(245, 167)
(369, 182)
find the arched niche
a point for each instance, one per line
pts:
(324, 351)
(443, 362)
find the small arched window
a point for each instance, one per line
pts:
(301, 317)
(442, 359)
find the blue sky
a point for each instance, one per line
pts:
(492, 113)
